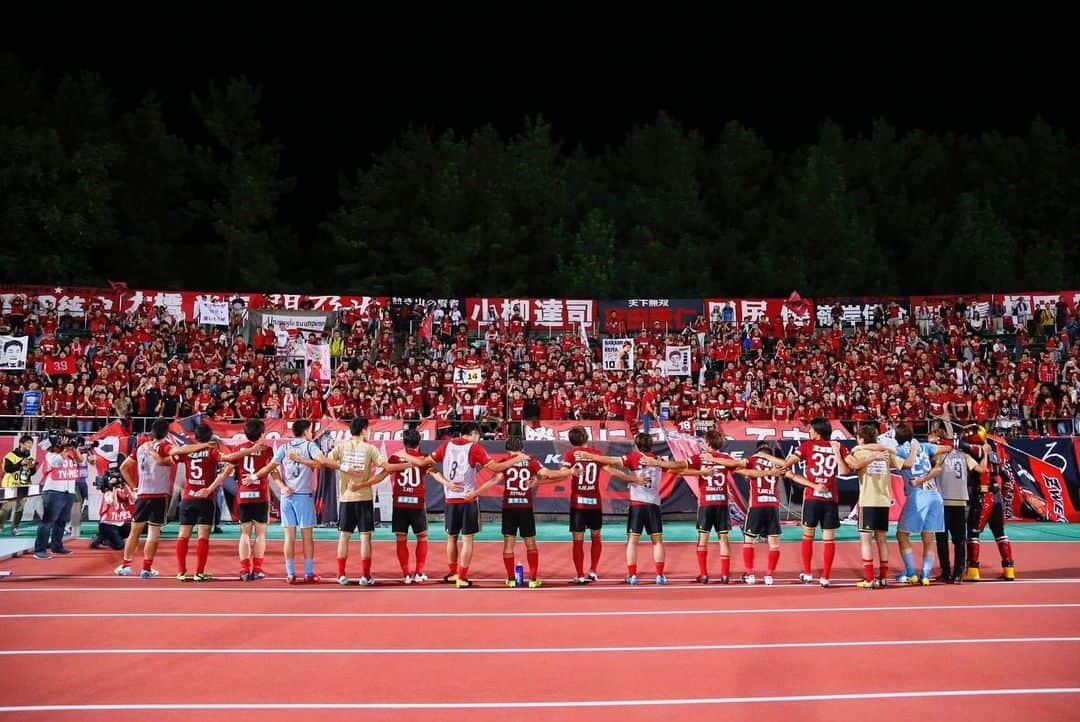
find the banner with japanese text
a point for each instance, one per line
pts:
(741, 311)
(664, 314)
(537, 314)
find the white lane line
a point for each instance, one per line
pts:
(549, 704)
(525, 615)
(159, 585)
(551, 650)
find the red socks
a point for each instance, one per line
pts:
(365, 568)
(403, 555)
(148, 564)
(868, 569)
(884, 570)
(202, 553)
(830, 554)
(421, 554)
(181, 555)
(579, 557)
(534, 562)
(453, 567)
(702, 562)
(594, 552)
(659, 569)
(774, 557)
(807, 554)
(508, 562)
(631, 570)
(256, 565)
(725, 566)
(463, 573)
(748, 558)
(245, 566)
(341, 566)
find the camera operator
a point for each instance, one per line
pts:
(116, 511)
(82, 490)
(19, 466)
(58, 493)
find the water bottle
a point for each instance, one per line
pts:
(519, 575)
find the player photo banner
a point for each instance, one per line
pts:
(468, 377)
(677, 360)
(317, 363)
(13, 353)
(618, 354)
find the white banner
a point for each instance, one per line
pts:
(315, 322)
(469, 377)
(676, 360)
(317, 363)
(214, 313)
(13, 352)
(618, 354)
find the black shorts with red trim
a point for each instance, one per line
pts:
(644, 517)
(582, 519)
(404, 518)
(825, 514)
(463, 518)
(714, 517)
(762, 521)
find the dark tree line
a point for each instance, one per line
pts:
(91, 191)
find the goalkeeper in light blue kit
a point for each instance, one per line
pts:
(924, 509)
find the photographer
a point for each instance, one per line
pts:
(58, 494)
(19, 466)
(117, 509)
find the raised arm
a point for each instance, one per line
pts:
(605, 460)
(675, 465)
(241, 453)
(493, 481)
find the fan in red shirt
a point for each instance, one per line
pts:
(519, 483)
(820, 498)
(253, 499)
(586, 509)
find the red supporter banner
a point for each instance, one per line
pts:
(981, 302)
(63, 366)
(638, 313)
(859, 310)
(71, 300)
(539, 314)
(182, 305)
(596, 430)
(751, 310)
(765, 430)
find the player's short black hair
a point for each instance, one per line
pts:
(203, 433)
(159, 429)
(577, 436)
(254, 429)
(358, 425)
(515, 443)
(470, 428)
(300, 426)
(411, 438)
(643, 441)
(821, 426)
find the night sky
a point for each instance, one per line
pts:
(335, 100)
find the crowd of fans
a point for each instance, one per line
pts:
(396, 362)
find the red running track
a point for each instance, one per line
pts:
(987, 651)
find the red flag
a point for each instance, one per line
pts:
(1050, 480)
(62, 366)
(425, 326)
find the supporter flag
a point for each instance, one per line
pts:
(585, 343)
(678, 360)
(1034, 483)
(468, 377)
(62, 366)
(13, 352)
(112, 439)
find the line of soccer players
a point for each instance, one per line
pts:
(948, 486)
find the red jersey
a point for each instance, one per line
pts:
(247, 466)
(585, 492)
(820, 468)
(763, 489)
(200, 468)
(408, 484)
(517, 489)
(712, 489)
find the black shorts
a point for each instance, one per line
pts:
(762, 521)
(515, 521)
(356, 516)
(255, 511)
(151, 511)
(404, 518)
(820, 513)
(644, 517)
(713, 517)
(582, 519)
(873, 518)
(196, 512)
(463, 518)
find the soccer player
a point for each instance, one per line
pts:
(924, 510)
(410, 511)
(763, 517)
(875, 498)
(952, 471)
(149, 475)
(714, 483)
(459, 459)
(300, 458)
(586, 508)
(519, 484)
(820, 506)
(253, 501)
(644, 513)
(355, 461)
(201, 481)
